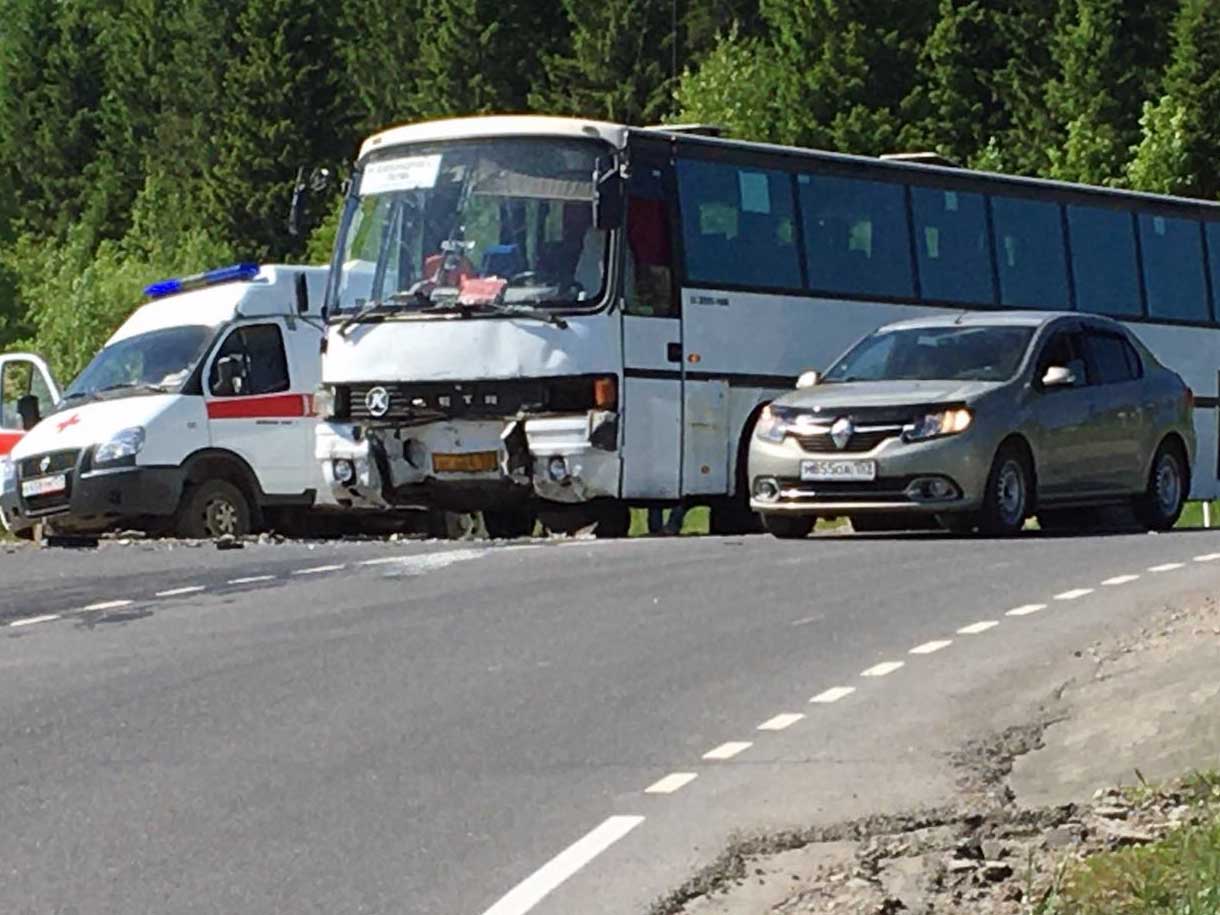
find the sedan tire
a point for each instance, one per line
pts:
(789, 527)
(1007, 499)
(1160, 506)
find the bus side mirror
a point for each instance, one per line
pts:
(608, 201)
(28, 410)
(296, 211)
(302, 290)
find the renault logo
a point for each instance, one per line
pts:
(45, 464)
(841, 432)
(378, 401)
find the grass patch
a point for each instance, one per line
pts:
(1192, 514)
(1177, 875)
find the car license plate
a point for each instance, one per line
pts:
(475, 462)
(823, 471)
(44, 486)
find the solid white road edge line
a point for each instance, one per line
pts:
(779, 722)
(1166, 567)
(1073, 594)
(534, 888)
(885, 668)
(1119, 580)
(1025, 610)
(175, 592)
(318, 569)
(728, 750)
(930, 647)
(108, 605)
(834, 694)
(977, 628)
(31, 620)
(251, 580)
(671, 783)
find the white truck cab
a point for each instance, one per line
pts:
(195, 418)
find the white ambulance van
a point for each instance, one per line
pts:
(196, 418)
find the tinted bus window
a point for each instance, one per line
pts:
(1212, 230)
(1104, 261)
(1173, 268)
(856, 238)
(738, 226)
(1029, 253)
(951, 241)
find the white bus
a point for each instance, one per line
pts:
(557, 318)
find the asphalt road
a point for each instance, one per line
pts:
(470, 728)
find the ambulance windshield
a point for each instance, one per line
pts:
(159, 361)
(478, 222)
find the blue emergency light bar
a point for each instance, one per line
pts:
(232, 274)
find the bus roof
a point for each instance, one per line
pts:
(497, 126)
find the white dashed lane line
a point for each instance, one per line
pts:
(671, 783)
(107, 605)
(728, 750)
(534, 888)
(884, 669)
(1119, 580)
(1166, 567)
(318, 570)
(978, 628)
(250, 580)
(1207, 557)
(834, 694)
(931, 647)
(1025, 610)
(780, 722)
(805, 621)
(178, 592)
(31, 620)
(1073, 594)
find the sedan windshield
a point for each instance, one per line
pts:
(485, 222)
(935, 354)
(157, 361)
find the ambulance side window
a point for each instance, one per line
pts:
(251, 361)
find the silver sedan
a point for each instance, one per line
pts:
(977, 421)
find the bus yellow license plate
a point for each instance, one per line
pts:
(475, 462)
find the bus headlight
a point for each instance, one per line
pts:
(124, 445)
(324, 401)
(771, 427)
(934, 425)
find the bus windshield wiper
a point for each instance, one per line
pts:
(511, 311)
(378, 307)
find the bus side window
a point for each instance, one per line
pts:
(649, 272)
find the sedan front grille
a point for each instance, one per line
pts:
(863, 440)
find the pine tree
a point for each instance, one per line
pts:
(478, 56)
(379, 44)
(618, 63)
(1180, 149)
(983, 72)
(1111, 55)
(283, 108)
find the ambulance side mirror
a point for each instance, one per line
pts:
(28, 410)
(228, 370)
(302, 290)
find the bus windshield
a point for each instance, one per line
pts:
(935, 354)
(485, 222)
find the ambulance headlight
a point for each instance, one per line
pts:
(123, 446)
(8, 475)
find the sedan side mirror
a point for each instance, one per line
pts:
(29, 411)
(1057, 376)
(808, 379)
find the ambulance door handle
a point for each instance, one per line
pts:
(673, 352)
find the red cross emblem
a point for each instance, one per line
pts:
(70, 421)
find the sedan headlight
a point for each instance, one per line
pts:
(934, 425)
(122, 446)
(8, 475)
(771, 426)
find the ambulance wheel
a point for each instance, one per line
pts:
(213, 509)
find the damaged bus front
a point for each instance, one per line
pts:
(473, 358)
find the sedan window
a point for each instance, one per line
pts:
(1112, 359)
(1065, 349)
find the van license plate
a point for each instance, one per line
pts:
(475, 462)
(823, 471)
(44, 486)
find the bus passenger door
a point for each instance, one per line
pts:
(652, 341)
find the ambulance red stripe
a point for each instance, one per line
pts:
(8, 440)
(272, 406)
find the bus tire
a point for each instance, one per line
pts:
(213, 508)
(613, 519)
(509, 525)
(1160, 505)
(789, 527)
